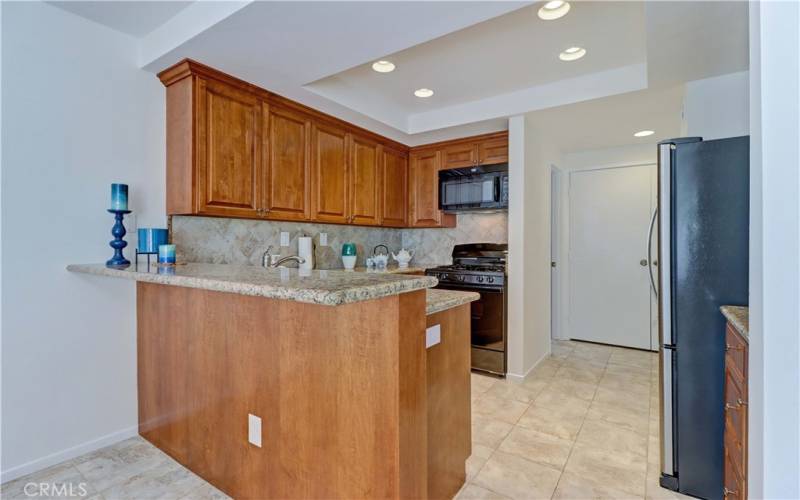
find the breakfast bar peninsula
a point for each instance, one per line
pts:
(349, 395)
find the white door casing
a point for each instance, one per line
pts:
(610, 297)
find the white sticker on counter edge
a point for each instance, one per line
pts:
(433, 335)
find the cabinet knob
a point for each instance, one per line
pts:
(729, 347)
(726, 492)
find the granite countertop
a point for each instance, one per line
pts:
(739, 317)
(390, 269)
(441, 300)
(331, 288)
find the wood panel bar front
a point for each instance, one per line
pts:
(341, 392)
(449, 402)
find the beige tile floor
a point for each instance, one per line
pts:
(583, 425)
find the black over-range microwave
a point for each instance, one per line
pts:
(474, 188)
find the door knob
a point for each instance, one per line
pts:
(643, 262)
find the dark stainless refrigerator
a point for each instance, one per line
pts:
(703, 264)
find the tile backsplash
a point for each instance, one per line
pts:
(435, 246)
(242, 241)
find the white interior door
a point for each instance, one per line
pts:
(610, 294)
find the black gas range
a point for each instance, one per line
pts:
(481, 267)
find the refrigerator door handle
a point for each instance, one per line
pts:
(650, 250)
(667, 415)
(664, 243)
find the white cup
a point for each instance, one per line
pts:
(349, 261)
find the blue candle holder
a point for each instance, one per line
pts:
(118, 232)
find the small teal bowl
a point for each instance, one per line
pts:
(348, 249)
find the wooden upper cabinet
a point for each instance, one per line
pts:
(228, 150)
(236, 150)
(460, 155)
(487, 149)
(287, 172)
(365, 181)
(329, 174)
(424, 191)
(493, 150)
(394, 190)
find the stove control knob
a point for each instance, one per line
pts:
(490, 279)
(461, 278)
(480, 279)
(443, 276)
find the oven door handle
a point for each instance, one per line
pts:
(470, 287)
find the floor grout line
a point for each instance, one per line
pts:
(577, 435)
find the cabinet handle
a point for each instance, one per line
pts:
(729, 347)
(736, 405)
(726, 492)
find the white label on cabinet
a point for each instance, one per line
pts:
(433, 335)
(284, 239)
(254, 430)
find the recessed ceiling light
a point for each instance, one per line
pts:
(643, 133)
(383, 66)
(572, 54)
(554, 9)
(423, 93)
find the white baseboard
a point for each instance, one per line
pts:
(513, 377)
(69, 453)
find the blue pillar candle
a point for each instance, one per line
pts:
(119, 197)
(166, 254)
(150, 238)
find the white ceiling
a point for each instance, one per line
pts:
(509, 53)
(695, 40)
(134, 18)
(612, 121)
(486, 60)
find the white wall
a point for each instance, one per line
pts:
(636, 154)
(715, 108)
(77, 115)
(530, 157)
(774, 362)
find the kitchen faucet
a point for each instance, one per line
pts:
(271, 261)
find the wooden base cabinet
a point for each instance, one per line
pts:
(736, 349)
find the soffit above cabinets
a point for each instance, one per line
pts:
(485, 60)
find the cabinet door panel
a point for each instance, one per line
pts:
(460, 155)
(424, 188)
(329, 174)
(365, 182)
(286, 196)
(229, 126)
(395, 188)
(493, 151)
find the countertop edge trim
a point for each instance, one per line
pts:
(353, 295)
